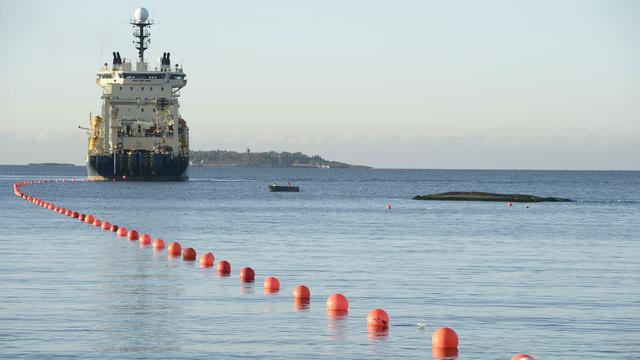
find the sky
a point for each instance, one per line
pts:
(389, 84)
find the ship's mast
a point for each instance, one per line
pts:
(140, 22)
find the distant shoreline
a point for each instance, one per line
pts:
(51, 164)
(284, 159)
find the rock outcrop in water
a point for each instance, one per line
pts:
(483, 196)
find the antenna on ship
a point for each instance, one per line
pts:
(140, 21)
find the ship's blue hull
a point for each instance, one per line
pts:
(143, 166)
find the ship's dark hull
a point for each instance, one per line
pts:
(142, 166)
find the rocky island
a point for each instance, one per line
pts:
(484, 196)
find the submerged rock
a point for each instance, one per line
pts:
(483, 196)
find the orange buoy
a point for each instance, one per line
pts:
(271, 283)
(378, 318)
(444, 338)
(97, 222)
(106, 226)
(337, 302)
(301, 292)
(88, 219)
(206, 260)
(247, 274)
(122, 232)
(174, 249)
(523, 357)
(145, 239)
(158, 244)
(189, 254)
(132, 235)
(224, 267)
(114, 227)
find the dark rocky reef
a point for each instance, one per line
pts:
(483, 196)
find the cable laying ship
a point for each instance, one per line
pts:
(140, 134)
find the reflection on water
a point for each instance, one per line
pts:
(444, 354)
(337, 324)
(301, 305)
(377, 333)
(247, 288)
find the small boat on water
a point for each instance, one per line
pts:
(279, 188)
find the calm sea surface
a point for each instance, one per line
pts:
(555, 280)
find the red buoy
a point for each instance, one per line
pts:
(378, 318)
(81, 217)
(272, 284)
(97, 222)
(337, 302)
(444, 338)
(523, 357)
(206, 260)
(158, 244)
(114, 228)
(224, 267)
(106, 226)
(247, 274)
(132, 235)
(301, 292)
(75, 215)
(175, 249)
(189, 254)
(145, 239)
(122, 232)
(88, 219)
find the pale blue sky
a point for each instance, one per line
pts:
(412, 84)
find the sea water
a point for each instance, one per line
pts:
(555, 280)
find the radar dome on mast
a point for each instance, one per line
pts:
(140, 15)
(141, 23)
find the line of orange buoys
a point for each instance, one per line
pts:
(444, 341)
